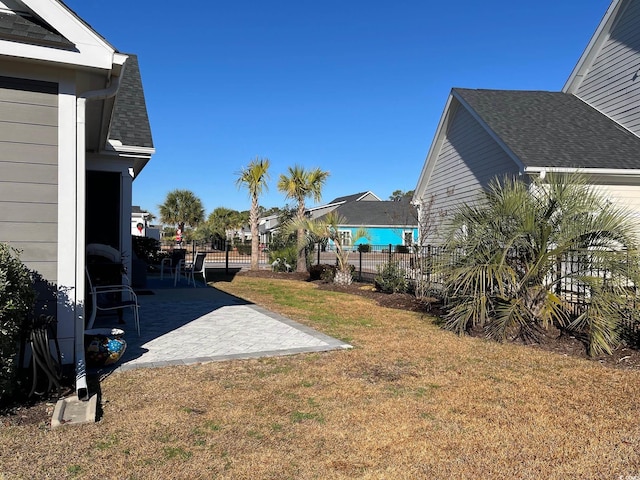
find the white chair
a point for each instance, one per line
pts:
(112, 297)
(189, 270)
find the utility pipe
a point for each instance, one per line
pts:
(81, 166)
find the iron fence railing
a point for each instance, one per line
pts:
(426, 265)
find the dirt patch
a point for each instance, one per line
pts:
(554, 340)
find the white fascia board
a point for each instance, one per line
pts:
(93, 51)
(434, 150)
(593, 47)
(629, 172)
(367, 193)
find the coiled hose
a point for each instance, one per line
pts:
(46, 368)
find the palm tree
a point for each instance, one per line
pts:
(299, 185)
(254, 177)
(327, 227)
(181, 206)
(508, 273)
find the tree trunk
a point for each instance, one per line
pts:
(301, 265)
(343, 278)
(255, 237)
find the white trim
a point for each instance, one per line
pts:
(68, 226)
(587, 171)
(594, 46)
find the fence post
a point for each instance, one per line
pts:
(318, 246)
(390, 252)
(427, 261)
(360, 264)
(226, 257)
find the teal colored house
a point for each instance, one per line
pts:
(387, 222)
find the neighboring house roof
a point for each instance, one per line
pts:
(130, 124)
(356, 197)
(22, 27)
(552, 129)
(378, 214)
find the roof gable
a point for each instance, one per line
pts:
(47, 30)
(588, 57)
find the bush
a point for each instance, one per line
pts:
(17, 297)
(402, 249)
(282, 257)
(244, 248)
(364, 248)
(322, 272)
(391, 278)
(147, 249)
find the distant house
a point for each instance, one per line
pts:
(140, 224)
(591, 126)
(387, 222)
(74, 133)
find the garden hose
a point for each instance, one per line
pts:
(43, 362)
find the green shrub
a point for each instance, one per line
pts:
(282, 257)
(364, 248)
(321, 272)
(17, 297)
(147, 249)
(391, 278)
(402, 249)
(244, 248)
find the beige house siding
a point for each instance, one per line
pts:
(29, 171)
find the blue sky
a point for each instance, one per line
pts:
(355, 87)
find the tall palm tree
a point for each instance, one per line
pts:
(299, 185)
(254, 177)
(509, 274)
(181, 206)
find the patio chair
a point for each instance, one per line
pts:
(172, 263)
(112, 297)
(189, 270)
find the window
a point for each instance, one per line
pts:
(408, 237)
(345, 237)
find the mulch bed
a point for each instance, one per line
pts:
(554, 340)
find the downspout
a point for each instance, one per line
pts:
(81, 167)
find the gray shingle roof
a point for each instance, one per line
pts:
(553, 129)
(383, 213)
(27, 29)
(347, 198)
(130, 123)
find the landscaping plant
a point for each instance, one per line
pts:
(17, 297)
(509, 272)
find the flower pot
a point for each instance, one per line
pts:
(104, 346)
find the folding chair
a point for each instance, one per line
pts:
(189, 270)
(112, 297)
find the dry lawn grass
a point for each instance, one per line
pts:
(409, 401)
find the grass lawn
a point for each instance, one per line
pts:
(409, 401)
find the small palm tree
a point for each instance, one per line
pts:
(327, 227)
(508, 272)
(254, 177)
(299, 185)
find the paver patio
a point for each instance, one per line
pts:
(185, 325)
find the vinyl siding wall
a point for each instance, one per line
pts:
(468, 159)
(29, 171)
(612, 85)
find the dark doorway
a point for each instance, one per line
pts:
(103, 208)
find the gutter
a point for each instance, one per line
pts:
(82, 390)
(586, 171)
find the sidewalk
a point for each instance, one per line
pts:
(184, 325)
